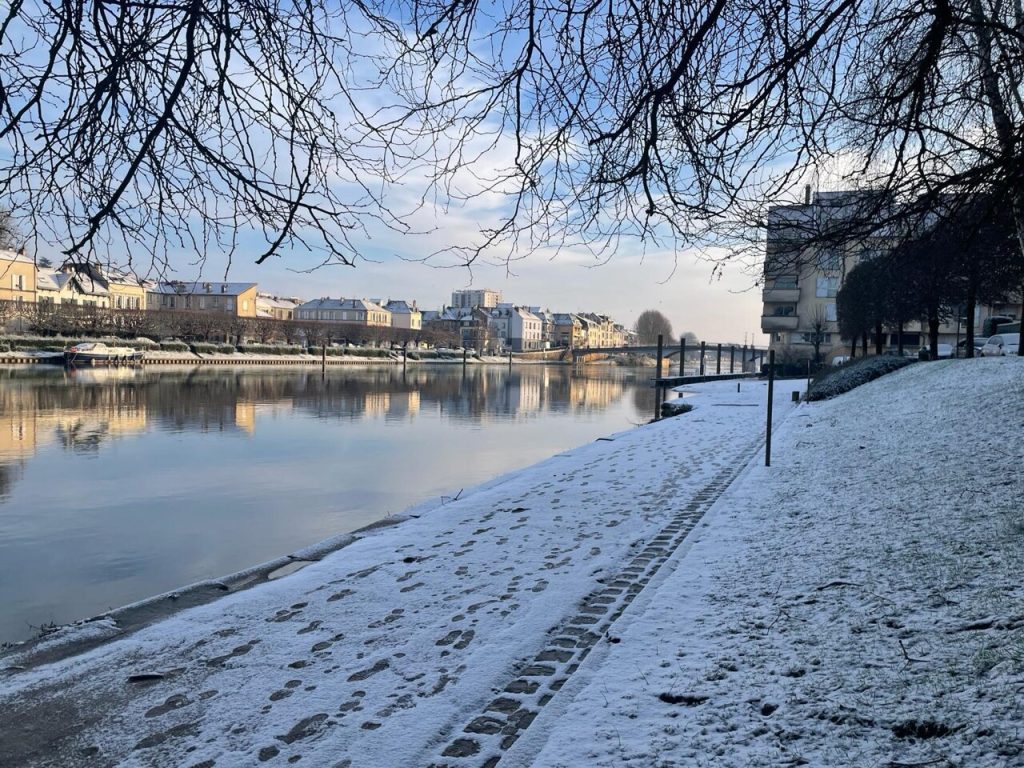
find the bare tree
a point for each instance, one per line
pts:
(818, 323)
(650, 325)
(155, 126)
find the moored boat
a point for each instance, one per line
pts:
(98, 353)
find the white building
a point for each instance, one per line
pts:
(404, 315)
(482, 297)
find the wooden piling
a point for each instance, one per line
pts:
(660, 350)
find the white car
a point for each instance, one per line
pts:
(945, 350)
(1001, 344)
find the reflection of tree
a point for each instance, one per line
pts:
(644, 399)
(9, 474)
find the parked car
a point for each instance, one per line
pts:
(945, 350)
(1001, 344)
(840, 359)
(978, 342)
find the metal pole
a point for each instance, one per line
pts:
(743, 359)
(510, 361)
(732, 358)
(718, 361)
(682, 356)
(660, 341)
(808, 375)
(703, 347)
(323, 358)
(771, 393)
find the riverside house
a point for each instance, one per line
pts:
(17, 277)
(345, 312)
(234, 299)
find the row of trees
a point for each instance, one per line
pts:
(943, 270)
(69, 320)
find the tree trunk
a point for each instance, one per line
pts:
(972, 300)
(899, 338)
(864, 343)
(1001, 120)
(879, 340)
(933, 332)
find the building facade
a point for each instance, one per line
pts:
(17, 277)
(235, 299)
(344, 311)
(482, 297)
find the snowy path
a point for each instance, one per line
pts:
(384, 652)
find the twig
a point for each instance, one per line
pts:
(908, 657)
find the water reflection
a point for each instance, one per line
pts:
(115, 485)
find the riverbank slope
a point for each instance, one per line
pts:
(655, 598)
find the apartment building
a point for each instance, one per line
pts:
(801, 281)
(404, 315)
(236, 299)
(344, 311)
(17, 277)
(276, 307)
(482, 297)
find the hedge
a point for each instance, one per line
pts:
(854, 373)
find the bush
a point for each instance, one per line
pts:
(270, 349)
(203, 348)
(854, 373)
(173, 346)
(226, 349)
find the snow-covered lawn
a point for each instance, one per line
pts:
(857, 604)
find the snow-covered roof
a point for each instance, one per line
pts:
(328, 303)
(9, 255)
(399, 307)
(50, 280)
(201, 287)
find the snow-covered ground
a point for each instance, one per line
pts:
(656, 599)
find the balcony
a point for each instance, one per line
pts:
(780, 295)
(779, 323)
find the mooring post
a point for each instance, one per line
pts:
(743, 359)
(718, 361)
(771, 392)
(323, 358)
(464, 353)
(661, 340)
(682, 356)
(510, 361)
(732, 358)
(703, 349)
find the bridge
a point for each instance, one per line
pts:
(717, 358)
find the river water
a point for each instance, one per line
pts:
(117, 485)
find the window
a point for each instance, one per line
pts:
(827, 287)
(808, 338)
(784, 310)
(245, 305)
(785, 282)
(18, 282)
(830, 261)
(830, 312)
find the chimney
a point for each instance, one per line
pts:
(807, 194)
